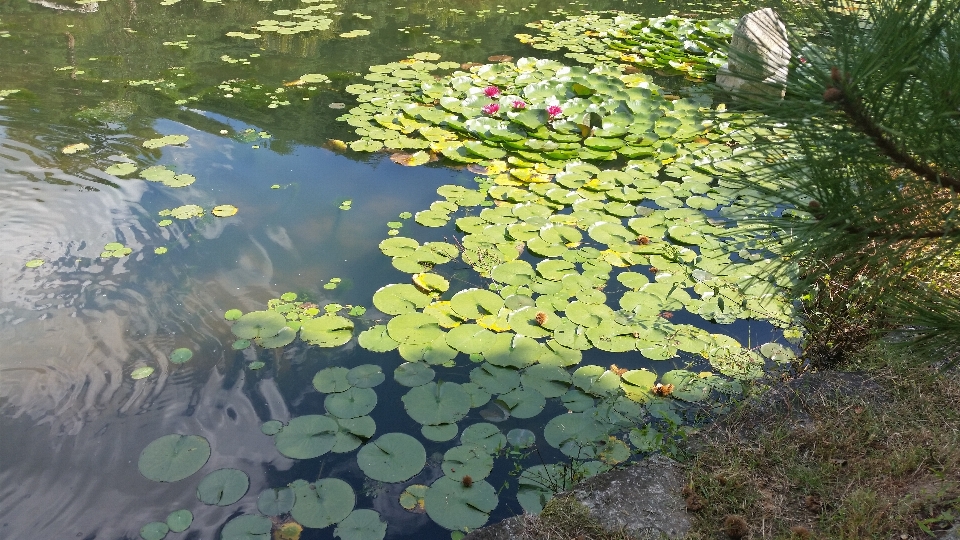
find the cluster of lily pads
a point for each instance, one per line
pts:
(285, 317)
(671, 44)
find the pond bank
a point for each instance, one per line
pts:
(869, 451)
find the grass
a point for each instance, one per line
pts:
(842, 457)
(564, 518)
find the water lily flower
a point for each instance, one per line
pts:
(491, 91)
(491, 108)
(518, 104)
(554, 111)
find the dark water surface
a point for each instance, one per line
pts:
(72, 421)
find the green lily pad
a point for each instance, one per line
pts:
(351, 403)
(154, 531)
(121, 169)
(142, 373)
(173, 457)
(307, 437)
(521, 438)
(326, 330)
(575, 434)
(276, 501)
(393, 457)
(494, 379)
(332, 380)
(223, 487)
(240, 344)
(258, 324)
(435, 352)
(414, 328)
(549, 380)
(777, 352)
(377, 339)
(165, 141)
(454, 506)
(366, 376)
(361, 525)
(467, 460)
(398, 299)
(431, 283)
(247, 527)
(284, 337)
(232, 314)
(478, 396)
(352, 433)
(437, 403)
(485, 436)
(470, 338)
(512, 350)
(523, 403)
(179, 520)
(413, 374)
(322, 503)
(271, 427)
(475, 303)
(440, 433)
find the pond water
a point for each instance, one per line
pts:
(310, 220)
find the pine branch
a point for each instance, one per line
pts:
(862, 121)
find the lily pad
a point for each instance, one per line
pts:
(467, 460)
(142, 373)
(173, 457)
(393, 457)
(414, 328)
(413, 374)
(307, 437)
(437, 403)
(271, 427)
(223, 487)
(322, 503)
(440, 433)
(326, 330)
(400, 298)
(232, 314)
(276, 501)
(258, 324)
(224, 210)
(412, 498)
(284, 337)
(154, 531)
(179, 520)
(361, 525)
(247, 527)
(332, 380)
(454, 506)
(483, 435)
(351, 403)
(521, 438)
(366, 376)
(377, 339)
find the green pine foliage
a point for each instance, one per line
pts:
(868, 156)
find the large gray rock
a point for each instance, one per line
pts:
(758, 58)
(644, 500)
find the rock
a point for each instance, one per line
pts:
(643, 500)
(758, 57)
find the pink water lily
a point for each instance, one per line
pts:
(554, 111)
(491, 91)
(518, 104)
(492, 108)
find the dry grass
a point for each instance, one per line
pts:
(564, 518)
(847, 457)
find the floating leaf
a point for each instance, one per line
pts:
(437, 403)
(453, 506)
(366, 376)
(361, 525)
(154, 531)
(467, 460)
(258, 324)
(482, 435)
(413, 374)
(121, 169)
(74, 148)
(412, 498)
(394, 457)
(351, 403)
(247, 527)
(271, 427)
(276, 501)
(377, 339)
(307, 437)
(224, 210)
(179, 356)
(440, 433)
(331, 380)
(173, 457)
(223, 487)
(141, 373)
(399, 298)
(34, 263)
(326, 331)
(165, 141)
(179, 520)
(521, 438)
(414, 328)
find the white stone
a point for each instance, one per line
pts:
(759, 56)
